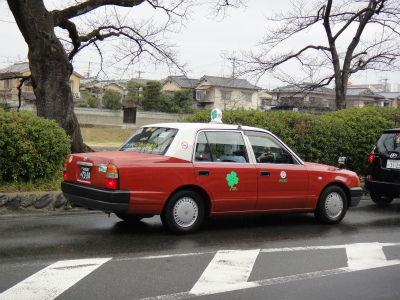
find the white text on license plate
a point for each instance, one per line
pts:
(393, 164)
(85, 173)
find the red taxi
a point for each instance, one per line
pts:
(185, 172)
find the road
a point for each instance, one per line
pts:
(93, 256)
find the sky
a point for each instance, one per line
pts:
(202, 43)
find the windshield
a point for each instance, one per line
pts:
(389, 142)
(154, 140)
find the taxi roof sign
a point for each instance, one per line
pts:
(216, 116)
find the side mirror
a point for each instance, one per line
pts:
(342, 161)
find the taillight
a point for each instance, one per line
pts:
(371, 158)
(65, 170)
(112, 177)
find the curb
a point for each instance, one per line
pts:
(29, 203)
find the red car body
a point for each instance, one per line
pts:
(198, 175)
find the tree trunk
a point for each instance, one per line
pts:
(49, 66)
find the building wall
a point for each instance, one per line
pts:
(236, 100)
(170, 86)
(12, 92)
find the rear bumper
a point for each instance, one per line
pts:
(355, 195)
(381, 187)
(109, 201)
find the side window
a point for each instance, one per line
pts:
(220, 146)
(268, 150)
(203, 152)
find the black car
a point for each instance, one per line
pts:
(382, 178)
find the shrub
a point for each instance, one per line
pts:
(92, 101)
(30, 147)
(112, 99)
(323, 138)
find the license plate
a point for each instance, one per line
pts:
(85, 173)
(393, 164)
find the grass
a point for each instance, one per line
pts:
(92, 136)
(95, 136)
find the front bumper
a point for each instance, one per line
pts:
(382, 187)
(109, 201)
(355, 195)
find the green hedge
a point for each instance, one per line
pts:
(30, 147)
(323, 138)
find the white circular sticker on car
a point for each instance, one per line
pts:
(283, 174)
(185, 145)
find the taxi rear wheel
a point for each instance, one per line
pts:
(332, 205)
(184, 212)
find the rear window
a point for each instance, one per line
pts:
(154, 140)
(389, 142)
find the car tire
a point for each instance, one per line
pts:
(184, 212)
(381, 200)
(332, 205)
(129, 217)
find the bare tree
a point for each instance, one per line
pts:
(359, 35)
(55, 37)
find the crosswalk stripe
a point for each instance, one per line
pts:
(229, 270)
(53, 280)
(366, 256)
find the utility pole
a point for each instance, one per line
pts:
(233, 59)
(88, 73)
(139, 73)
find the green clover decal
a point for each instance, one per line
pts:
(214, 114)
(232, 179)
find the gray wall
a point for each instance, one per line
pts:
(96, 116)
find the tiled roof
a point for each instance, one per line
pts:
(229, 82)
(15, 68)
(302, 88)
(183, 81)
(390, 95)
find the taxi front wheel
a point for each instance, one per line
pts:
(184, 212)
(332, 205)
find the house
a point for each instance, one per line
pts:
(226, 93)
(360, 97)
(266, 101)
(176, 83)
(97, 88)
(298, 97)
(9, 82)
(393, 98)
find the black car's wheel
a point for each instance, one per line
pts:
(332, 205)
(184, 212)
(129, 217)
(381, 200)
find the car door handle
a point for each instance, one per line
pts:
(265, 173)
(204, 173)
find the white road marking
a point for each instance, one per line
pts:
(360, 257)
(53, 280)
(229, 270)
(366, 256)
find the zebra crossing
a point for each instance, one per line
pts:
(226, 270)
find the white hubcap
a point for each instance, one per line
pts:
(185, 212)
(334, 205)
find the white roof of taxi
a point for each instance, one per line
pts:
(197, 126)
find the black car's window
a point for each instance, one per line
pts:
(218, 146)
(268, 150)
(154, 140)
(389, 142)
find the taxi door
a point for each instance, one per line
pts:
(282, 180)
(221, 165)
